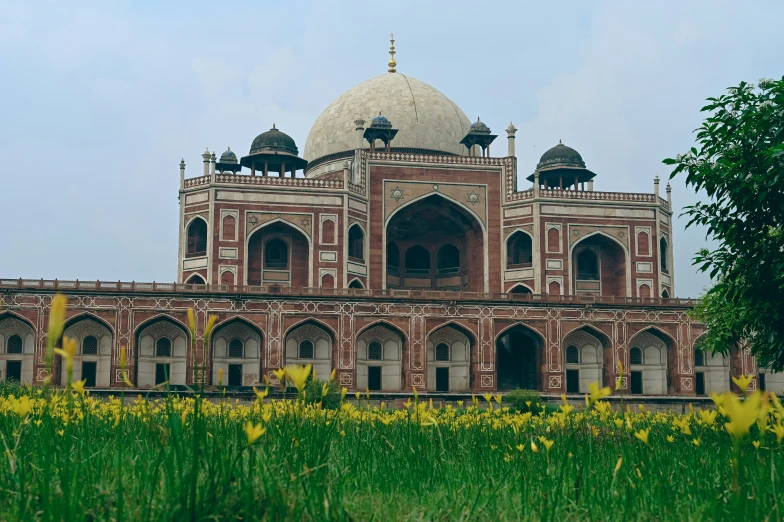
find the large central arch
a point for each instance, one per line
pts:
(600, 265)
(441, 245)
(520, 358)
(279, 253)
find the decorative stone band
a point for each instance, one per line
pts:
(439, 295)
(435, 158)
(232, 179)
(592, 195)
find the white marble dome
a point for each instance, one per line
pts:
(425, 118)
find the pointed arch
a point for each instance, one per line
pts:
(5, 314)
(515, 253)
(457, 326)
(356, 283)
(260, 228)
(520, 288)
(382, 322)
(626, 254)
(196, 240)
(666, 338)
(591, 329)
(460, 205)
(88, 315)
(239, 318)
(315, 322)
(539, 336)
(195, 279)
(162, 317)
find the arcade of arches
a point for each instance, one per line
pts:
(435, 244)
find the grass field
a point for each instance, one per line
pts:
(73, 457)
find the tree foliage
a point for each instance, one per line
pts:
(739, 164)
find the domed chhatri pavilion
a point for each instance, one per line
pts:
(400, 253)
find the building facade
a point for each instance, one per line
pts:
(400, 253)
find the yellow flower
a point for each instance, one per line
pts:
(253, 432)
(343, 393)
(192, 322)
(595, 393)
(742, 414)
(743, 382)
(260, 394)
(498, 398)
(520, 447)
(357, 395)
(324, 389)
(416, 394)
(643, 435)
(280, 373)
(708, 417)
(57, 318)
(696, 442)
(459, 404)
(211, 320)
(332, 375)
(78, 386)
(619, 463)
(21, 406)
(718, 398)
(534, 448)
(488, 397)
(220, 376)
(670, 438)
(123, 364)
(778, 429)
(548, 444)
(756, 444)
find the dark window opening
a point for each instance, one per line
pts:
(572, 355)
(306, 350)
(699, 358)
(442, 352)
(13, 371)
(195, 279)
(89, 373)
(374, 378)
(665, 294)
(635, 356)
(448, 260)
(375, 351)
(393, 258)
(276, 255)
(587, 266)
(197, 238)
(356, 243)
(663, 254)
(417, 260)
(15, 344)
(572, 381)
(163, 347)
(90, 345)
(700, 384)
(519, 251)
(235, 375)
(236, 349)
(355, 284)
(762, 382)
(161, 373)
(636, 383)
(520, 289)
(442, 379)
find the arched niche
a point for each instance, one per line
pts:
(196, 238)
(93, 359)
(380, 358)
(711, 371)
(519, 358)
(599, 266)
(236, 350)
(449, 350)
(310, 343)
(651, 363)
(278, 254)
(584, 352)
(17, 348)
(356, 243)
(519, 250)
(427, 225)
(155, 364)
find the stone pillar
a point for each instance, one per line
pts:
(510, 139)
(206, 156)
(590, 186)
(536, 184)
(182, 173)
(213, 158)
(282, 170)
(656, 186)
(360, 128)
(669, 195)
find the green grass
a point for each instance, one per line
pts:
(349, 465)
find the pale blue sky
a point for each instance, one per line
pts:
(100, 100)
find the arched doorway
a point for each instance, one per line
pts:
(434, 232)
(651, 362)
(92, 362)
(519, 358)
(236, 349)
(162, 347)
(17, 349)
(584, 353)
(599, 267)
(380, 359)
(278, 254)
(310, 343)
(196, 242)
(449, 359)
(519, 251)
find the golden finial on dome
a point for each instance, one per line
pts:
(392, 63)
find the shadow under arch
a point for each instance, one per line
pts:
(258, 231)
(670, 358)
(6, 314)
(519, 358)
(468, 230)
(625, 289)
(606, 356)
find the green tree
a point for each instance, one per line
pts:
(739, 164)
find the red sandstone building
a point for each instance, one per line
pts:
(400, 253)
